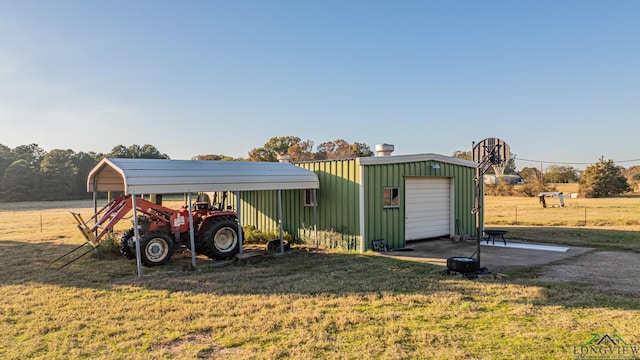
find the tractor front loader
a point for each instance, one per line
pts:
(163, 230)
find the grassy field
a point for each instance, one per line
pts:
(308, 304)
(606, 224)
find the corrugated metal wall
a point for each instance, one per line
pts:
(338, 203)
(338, 215)
(337, 197)
(388, 223)
(260, 209)
(383, 223)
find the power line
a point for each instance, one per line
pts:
(571, 163)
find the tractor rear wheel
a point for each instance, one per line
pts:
(220, 240)
(125, 245)
(156, 249)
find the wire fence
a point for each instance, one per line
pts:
(620, 212)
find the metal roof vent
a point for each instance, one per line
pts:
(384, 149)
(284, 158)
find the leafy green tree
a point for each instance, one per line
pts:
(560, 174)
(274, 147)
(58, 175)
(6, 158)
(120, 151)
(531, 175)
(463, 154)
(341, 149)
(603, 179)
(633, 177)
(38, 175)
(334, 150)
(302, 151)
(84, 162)
(19, 182)
(361, 150)
(215, 157)
(137, 152)
(150, 152)
(632, 173)
(31, 153)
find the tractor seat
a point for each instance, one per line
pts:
(202, 202)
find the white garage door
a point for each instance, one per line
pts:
(427, 207)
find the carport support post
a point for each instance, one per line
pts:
(240, 232)
(136, 233)
(315, 217)
(280, 220)
(191, 235)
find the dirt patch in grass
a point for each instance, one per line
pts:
(201, 342)
(604, 270)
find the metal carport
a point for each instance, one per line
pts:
(160, 176)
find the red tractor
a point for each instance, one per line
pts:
(163, 230)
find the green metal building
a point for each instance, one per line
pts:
(392, 198)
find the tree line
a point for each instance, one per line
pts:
(29, 172)
(602, 179)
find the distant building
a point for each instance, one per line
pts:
(505, 179)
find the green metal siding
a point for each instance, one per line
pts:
(339, 202)
(338, 214)
(337, 198)
(260, 209)
(383, 223)
(388, 223)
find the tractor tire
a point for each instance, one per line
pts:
(156, 249)
(220, 240)
(274, 245)
(463, 264)
(125, 247)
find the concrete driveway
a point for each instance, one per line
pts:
(497, 258)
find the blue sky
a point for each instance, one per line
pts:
(558, 80)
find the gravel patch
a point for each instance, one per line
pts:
(605, 270)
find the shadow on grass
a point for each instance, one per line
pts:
(303, 272)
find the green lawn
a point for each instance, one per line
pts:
(307, 304)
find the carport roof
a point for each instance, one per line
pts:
(160, 176)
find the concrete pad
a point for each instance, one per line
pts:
(528, 246)
(495, 258)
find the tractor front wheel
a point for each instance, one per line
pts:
(156, 249)
(220, 240)
(126, 248)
